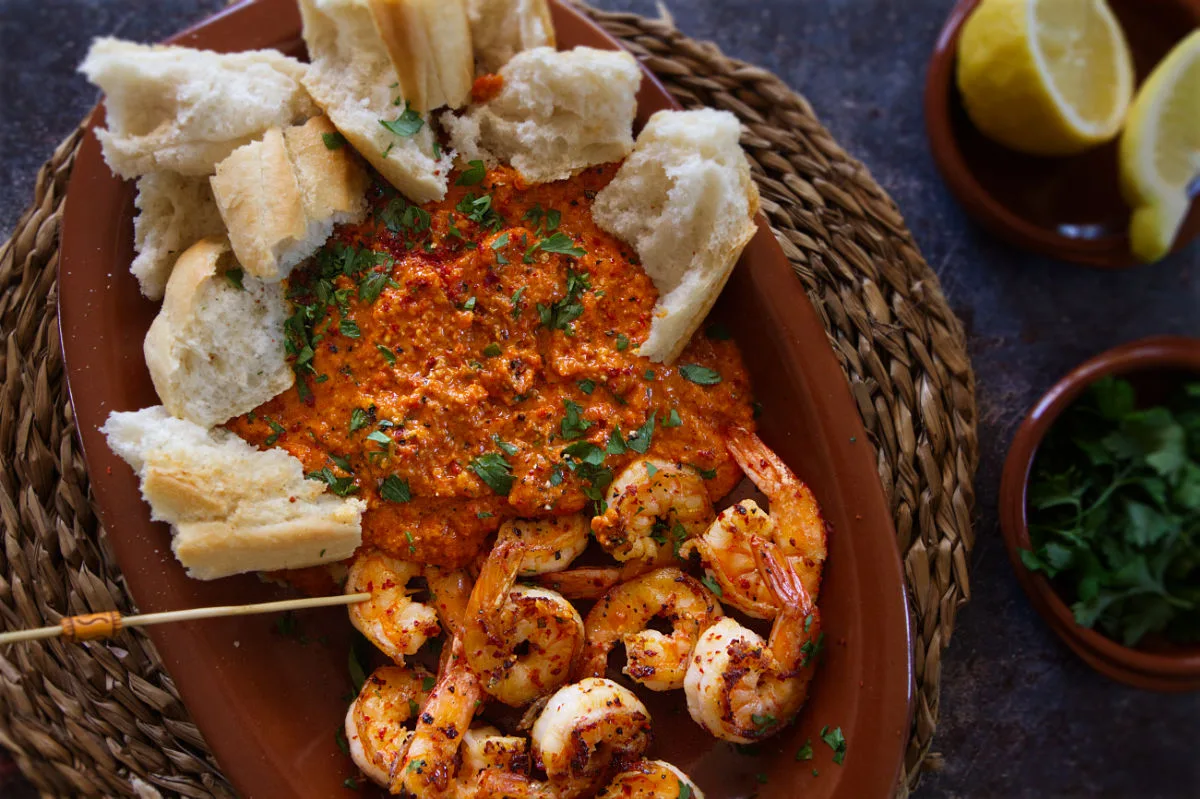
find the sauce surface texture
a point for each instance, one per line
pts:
(474, 359)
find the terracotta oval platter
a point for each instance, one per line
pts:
(269, 705)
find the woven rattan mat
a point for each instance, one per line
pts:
(104, 718)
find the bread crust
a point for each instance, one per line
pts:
(429, 43)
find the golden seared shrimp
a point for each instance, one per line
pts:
(550, 544)
(390, 619)
(651, 779)
(522, 642)
(449, 592)
(431, 762)
(727, 551)
(799, 529)
(485, 748)
(592, 582)
(589, 731)
(657, 660)
(653, 507)
(742, 689)
(377, 723)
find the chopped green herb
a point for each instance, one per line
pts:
(473, 175)
(483, 514)
(649, 375)
(616, 442)
(706, 474)
(492, 350)
(395, 489)
(427, 683)
(805, 752)
(358, 419)
(276, 431)
(500, 243)
(495, 471)
(341, 462)
(573, 424)
(586, 386)
(505, 447)
(836, 742)
(672, 419)
(685, 790)
(412, 547)
(562, 313)
(333, 141)
(342, 486)
(387, 354)
(622, 342)
(469, 305)
(811, 649)
(563, 244)
(379, 437)
(712, 585)
(651, 469)
(416, 765)
(349, 328)
(413, 708)
(763, 721)
(372, 285)
(234, 277)
(406, 125)
(350, 783)
(516, 302)
(479, 210)
(639, 440)
(700, 375)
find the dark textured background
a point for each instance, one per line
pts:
(1021, 715)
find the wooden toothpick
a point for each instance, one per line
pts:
(93, 626)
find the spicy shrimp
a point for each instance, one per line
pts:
(550, 544)
(653, 507)
(657, 660)
(743, 689)
(391, 619)
(794, 524)
(485, 749)
(377, 723)
(449, 592)
(651, 779)
(430, 763)
(521, 641)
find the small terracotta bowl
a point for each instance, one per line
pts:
(1069, 208)
(1153, 366)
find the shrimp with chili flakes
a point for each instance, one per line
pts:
(794, 524)
(651, 779)
(449, 592)
(592, 582)
(485, 748)
(503, 619)
(550, 544)
(391, 619)
(431, 761)
(377, 723)
(653, 507)
(743, 689)
(657, 660)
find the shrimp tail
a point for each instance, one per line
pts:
(497, 576)
(797, 610)
(761, 465)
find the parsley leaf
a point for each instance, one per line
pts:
(586, 386)
(672, 419)
(358, 419)
(700, 375)
(492, 350)
(494, 470)
(234, 278)
(473, 175)
(333, 141)
(805, 752)
(342, 486)
(573, 424)
(276, 431)
(563, 244)
(712, 585)
(406, 125)
(639, 440)
(836, 741)
(505, 447)
(562, 313)
(622, 342)
(394, 489)
(685, 790)
(387, 354)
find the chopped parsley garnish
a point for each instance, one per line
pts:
(586, 386)
(622, 342)
(805, 752)
(480, 211)
(672, 419)
(712, 585)
(358, 419)
(350, 783)
(406, 125)
(685, 790)
(234, 278)
(707, 474)
(495, 471)
(483, 514)
(372, 285)
(562, 313)
(616, 443)
(563, 244)
(349, 328)
(427, 683)
(492, 350)
(342, 486)
(763, 721)
(505, 447)
(341, 463)
(379, 437)
(573, 424)
(416, 765)
(810, 650)
(651, 469)
(412, 547)
(639, 440)
(500, 243)
(541, 220)
(586, 460)
(836, 742)
(700, 375)
(276, 431)
(387, 354)
(473, 175)
(516, 302)
(469, 305)
(333, 141)
(400, 216)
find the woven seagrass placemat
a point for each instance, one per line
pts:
(101, 718)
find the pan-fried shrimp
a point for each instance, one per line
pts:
(589, 731)
(653, 507)
(429, 766)
(795, 524)
(503, 619)
(550, 544)
(390, 619)
(449, 592)
(742, 689)
(377, 723)
(651, 779)
(485, 749)
(654, 659)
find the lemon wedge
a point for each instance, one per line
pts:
(1160, 150)
(1046, 77)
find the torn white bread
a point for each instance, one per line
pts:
(233, 508)
(556, 113)
(280, 196)
(429, 43)
(174, 212)
(184, 110)
(216, 348)
(352, 78)
(502, 28)
(685, 201)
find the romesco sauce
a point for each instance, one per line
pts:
(475, 359)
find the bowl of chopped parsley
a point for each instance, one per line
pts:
(1100, 510)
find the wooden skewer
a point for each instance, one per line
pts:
(93, 626)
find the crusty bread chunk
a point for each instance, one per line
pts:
(685, 201)
(429, 43)
(280, 196)
(184, 110)
(352, 78)
(502, 28)
(174, 212)
(216, 350)
(233, 508)
(556, 114)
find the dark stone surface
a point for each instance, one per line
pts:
(1021, 715)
